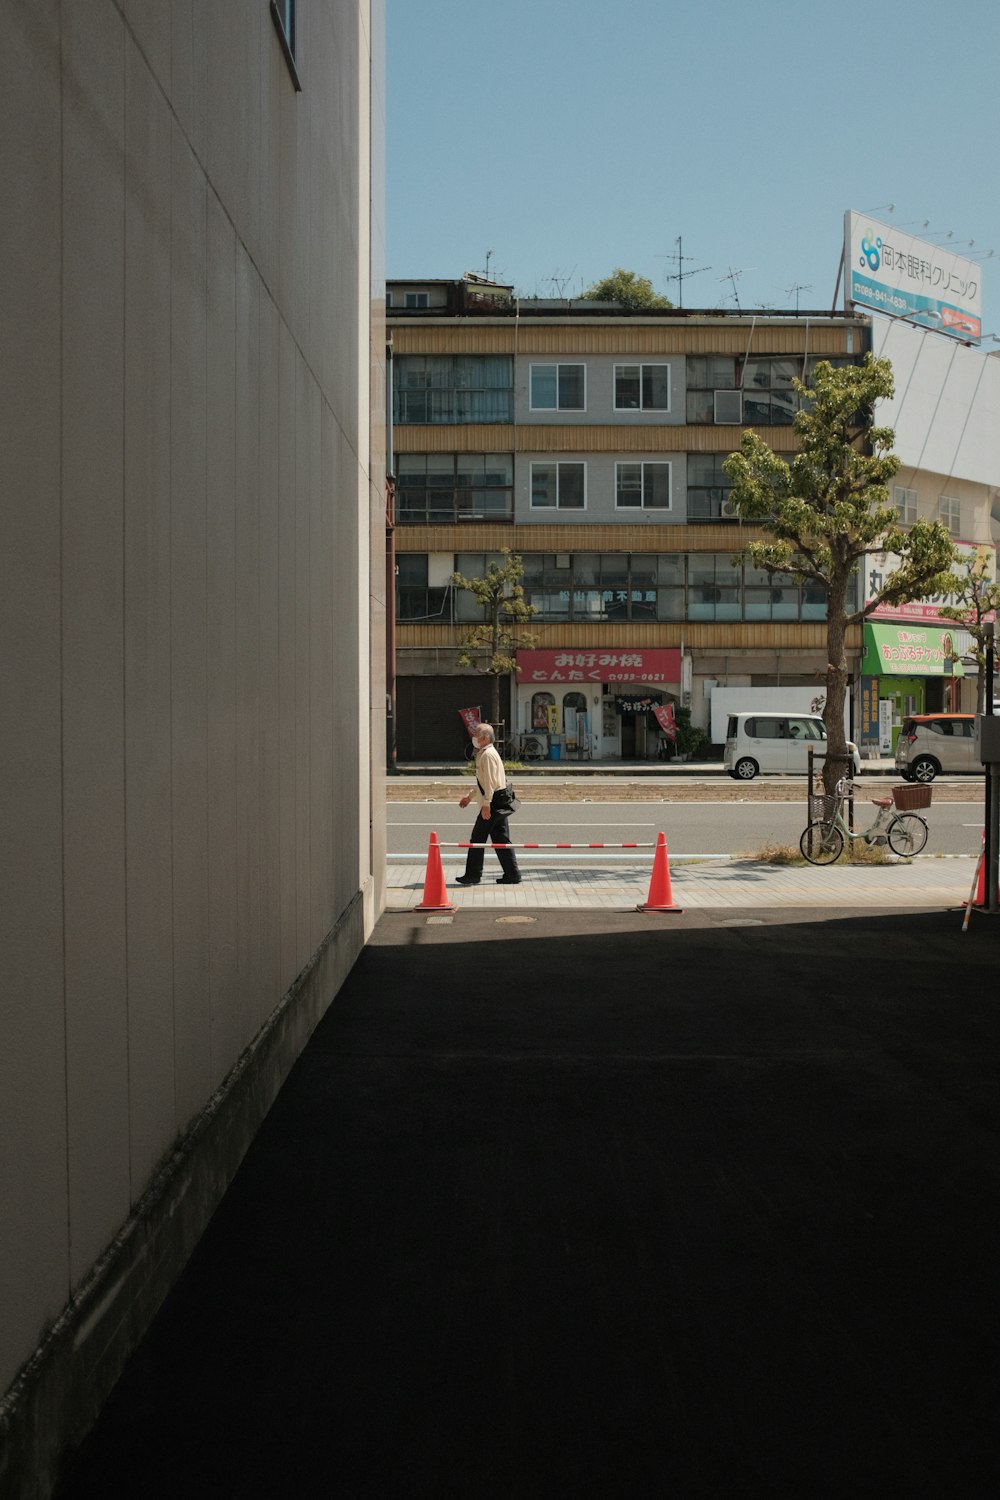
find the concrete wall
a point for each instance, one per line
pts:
(192, 588)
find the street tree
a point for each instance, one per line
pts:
(493, 643)
(977, 598)
(627, 289)
(828, 509)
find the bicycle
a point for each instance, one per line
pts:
(822, 842)
(531, 748)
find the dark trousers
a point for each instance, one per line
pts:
(497, 828)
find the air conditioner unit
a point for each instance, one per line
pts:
(729, 407)
(728, 511)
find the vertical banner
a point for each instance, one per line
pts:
(665, 718)
(868, 730)
(470, 718)
(885, 726)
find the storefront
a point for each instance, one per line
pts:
(908, 668)
(596, 704)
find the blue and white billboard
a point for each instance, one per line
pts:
(905, 277)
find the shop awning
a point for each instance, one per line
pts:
(905, 650)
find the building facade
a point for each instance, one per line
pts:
(192, 478)
(590, 441)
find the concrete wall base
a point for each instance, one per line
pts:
(59, 1392)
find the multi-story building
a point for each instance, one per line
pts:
(590, 440)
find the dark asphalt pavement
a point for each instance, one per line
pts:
(602, 1204)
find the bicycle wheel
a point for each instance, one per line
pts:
(822, 843)
(907, 834)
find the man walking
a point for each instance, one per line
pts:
(491, 778)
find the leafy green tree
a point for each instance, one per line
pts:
(978, 596)
(627, 289)
(829, 509)
(492, 645)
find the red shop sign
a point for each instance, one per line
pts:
(617, 664)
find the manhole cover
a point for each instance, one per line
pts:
(439, 921)
(511, 920)
(742, 922)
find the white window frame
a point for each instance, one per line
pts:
(416, 300)
(557, 464)
(643, 365)
(905, 502)
(642, 464)
(950, 513)
(556, 365)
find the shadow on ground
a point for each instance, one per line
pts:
(696, 1204)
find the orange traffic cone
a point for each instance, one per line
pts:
(660, 897)
(435, 894)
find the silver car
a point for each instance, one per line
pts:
(930, 744)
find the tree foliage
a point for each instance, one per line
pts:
(627, 289)
(492, 645)
(829, 508)
(977, 595)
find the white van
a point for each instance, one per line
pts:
(758, 741)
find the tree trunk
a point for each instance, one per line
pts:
(495, 721)
(837, 763)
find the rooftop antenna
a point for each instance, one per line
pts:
(560, 280)
(797, 288)
(732, 276)
(680, 275)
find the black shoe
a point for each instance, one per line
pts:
(467, 879)
(508, 880)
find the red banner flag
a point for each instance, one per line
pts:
(470, 717)
(665, 718)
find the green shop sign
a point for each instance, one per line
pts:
(910, 651)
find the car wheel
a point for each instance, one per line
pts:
(924, 769)
(746, 769)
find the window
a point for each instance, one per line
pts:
(905, 502)
(558, 486)
(283, 16)
(765, 385)
(558, 387)
(416, 299)
(454, 487)
(540, 705)
(642, 387)
(769, 596)
(713, 587)
(472, 565)
(642, 486)
(445, 388)
(950, 513)
(414, 600)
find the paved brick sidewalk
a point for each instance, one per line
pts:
(929, 882)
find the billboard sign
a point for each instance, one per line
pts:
(879, 566)
(890, 272)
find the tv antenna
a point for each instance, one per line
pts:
(560, 280)
(680, 275)
(797, 288)
(732, 275)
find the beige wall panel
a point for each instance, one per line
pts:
(525, 338)
(220, 473)
(248, 643)
(271, 66)
(147, 617)
(93, 627)
(192, 1041)
(473, 437)
(286, 103)
(349, 673)
(570, 538)
(306, 408)
(189, 33)
(34, 1254)
(602, 439)
(150, 23)
(719, 637)
(288, 611)
(455, 338)
(318, 725)
(270, 676)
(226, 122)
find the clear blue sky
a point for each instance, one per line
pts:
(572, 138)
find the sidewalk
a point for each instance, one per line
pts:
(637, 769)
(603, 1204)
(581, 881)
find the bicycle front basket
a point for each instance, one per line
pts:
(909, 798)
(822, 806)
